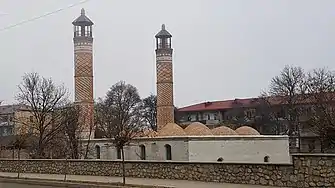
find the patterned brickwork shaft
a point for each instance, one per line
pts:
(165, 107)
(83, 74)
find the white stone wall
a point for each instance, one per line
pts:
(241, 150)
(154, 149)
(237, 149)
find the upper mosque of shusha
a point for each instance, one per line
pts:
(196, 142)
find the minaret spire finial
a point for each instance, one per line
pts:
(163, 26)
(82, 11)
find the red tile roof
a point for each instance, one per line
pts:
(247, 102)
(218, 105)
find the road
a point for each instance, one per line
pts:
(138, 181)
(15, 185)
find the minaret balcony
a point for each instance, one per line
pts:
(163, 46)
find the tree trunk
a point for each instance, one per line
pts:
(75, 148)
(87, 148)
(65, 168)
(123, 168)
(299, 137)
(322, 145)
(40, 151)
(40, 148)
(19, 164)
(88, 142)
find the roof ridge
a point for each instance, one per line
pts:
(213, 101)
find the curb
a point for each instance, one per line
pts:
(73, 183)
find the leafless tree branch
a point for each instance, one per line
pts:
(45, 100)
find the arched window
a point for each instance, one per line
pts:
(266, 159)
(168, 152)
(97, 149)
(118, 153)
(142, 155)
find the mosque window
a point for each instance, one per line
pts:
(266, 159)
(118, 153)
(97, 149)
(168, 152)
(143, 155)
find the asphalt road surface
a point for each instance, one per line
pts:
(15, 185)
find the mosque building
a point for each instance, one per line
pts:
(195, 143)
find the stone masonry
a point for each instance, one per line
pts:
(164, 76)
(305, 171)
(83, 70)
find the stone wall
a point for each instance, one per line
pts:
(306, 170)
(10, 154)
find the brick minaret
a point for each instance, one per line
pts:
(83, 70)
(164, 70)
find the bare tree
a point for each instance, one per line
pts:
(321, 96)
(119, 116)
(44, 98)
(237, 115)
(149, 111)
(67, 142)
(257, 113)
(263, 116)
(288, 88)
(72, 130)
(92, 130)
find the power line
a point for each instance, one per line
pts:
(3, 14)
(43, 15)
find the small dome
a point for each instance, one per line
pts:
(149, 133)
(223, 130)
(246, 130)
(171, 129)
(197, 129)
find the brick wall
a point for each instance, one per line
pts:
(306, 170)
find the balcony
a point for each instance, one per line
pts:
(161, 45)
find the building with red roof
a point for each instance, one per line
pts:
(216, 113)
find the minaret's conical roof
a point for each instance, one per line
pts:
(163, 33)
(82, 20)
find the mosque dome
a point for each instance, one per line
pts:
(171, 129)
(246, 130)
(223, 130)
(197, 129)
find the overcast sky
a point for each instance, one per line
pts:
(223, 49)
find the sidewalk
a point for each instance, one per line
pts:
(138, 181)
